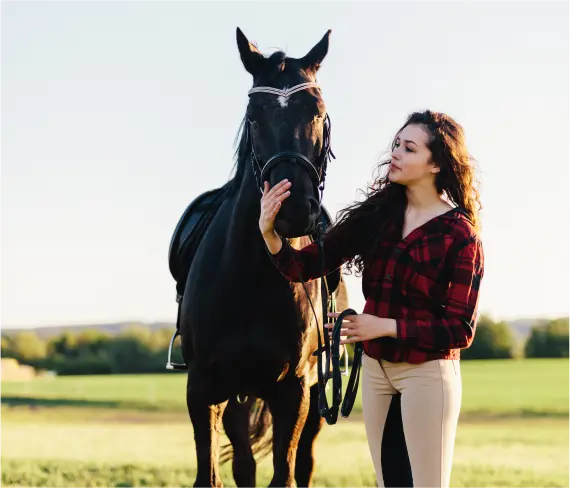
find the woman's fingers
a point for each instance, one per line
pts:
(345, 323)
(275, 195)
(269, 205)
(278, 189)
(348, 318)
(271, 202)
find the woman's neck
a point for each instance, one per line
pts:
(423, 199)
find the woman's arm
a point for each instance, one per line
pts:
(305, 264)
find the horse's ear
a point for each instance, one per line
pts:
(251, 58)
(312, 61)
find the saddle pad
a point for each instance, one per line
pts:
(189, 232)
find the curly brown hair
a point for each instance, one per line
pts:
(385, 203)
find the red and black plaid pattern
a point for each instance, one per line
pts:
(428, 282)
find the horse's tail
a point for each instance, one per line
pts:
(260, 432)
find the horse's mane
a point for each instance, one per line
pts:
(241, 157)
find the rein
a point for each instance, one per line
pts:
(331, 348)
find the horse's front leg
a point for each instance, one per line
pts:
(206, 420)
(305, 452)
(289, 402)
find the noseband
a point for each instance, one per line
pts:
(317, 171)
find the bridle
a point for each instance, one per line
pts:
(317, 173)
(317, 170)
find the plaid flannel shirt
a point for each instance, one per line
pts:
(428, 282)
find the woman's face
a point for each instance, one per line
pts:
(411, 159)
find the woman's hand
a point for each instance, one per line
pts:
(363, 327)
(270, 205)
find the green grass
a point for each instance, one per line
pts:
(531, 387)
(165, 392)
(517, 452)
(133, 430)
(515, 387)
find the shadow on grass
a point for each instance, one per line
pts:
(35, 402)
(522, 413)
(39, 402)
(486, 415)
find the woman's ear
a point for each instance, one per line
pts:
(434, 168)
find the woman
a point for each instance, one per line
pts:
(415, 239)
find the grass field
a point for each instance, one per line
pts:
(134, 431)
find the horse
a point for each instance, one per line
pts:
(247, 334)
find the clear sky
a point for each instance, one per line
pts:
(115, 115)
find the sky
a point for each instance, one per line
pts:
(116, 115)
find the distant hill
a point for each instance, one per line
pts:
(520, 327)
(111, 328)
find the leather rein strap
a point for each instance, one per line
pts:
(330, 347)
(332, 353)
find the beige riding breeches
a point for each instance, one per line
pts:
(431, 400)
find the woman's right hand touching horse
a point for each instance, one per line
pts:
(270, 205)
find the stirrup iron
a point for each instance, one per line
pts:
(169, 364)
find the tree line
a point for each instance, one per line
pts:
(139, 350)
(496, 340)
(136, 350)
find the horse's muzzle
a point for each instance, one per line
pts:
(296, 227)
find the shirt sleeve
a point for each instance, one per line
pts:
(457, 328)
(305, 264)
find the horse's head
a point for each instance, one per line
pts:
(288, 130)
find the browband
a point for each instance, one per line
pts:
(286, 92)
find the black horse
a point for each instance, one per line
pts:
(247, 333)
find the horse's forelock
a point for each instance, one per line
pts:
(277, 61)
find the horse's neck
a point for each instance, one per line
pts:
(244, 237)
(245, 254)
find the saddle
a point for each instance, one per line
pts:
(189, 232)
(194, 224)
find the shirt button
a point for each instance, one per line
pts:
(398, 251)
(388, 277)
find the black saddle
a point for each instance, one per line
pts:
(189, 232)
(192, 227)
